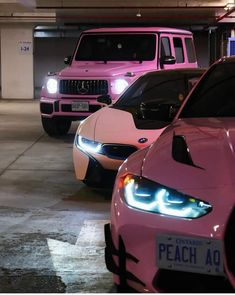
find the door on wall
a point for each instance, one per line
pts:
(231, 46)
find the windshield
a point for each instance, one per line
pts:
(117, 47)
(166, 88)
(215, 94)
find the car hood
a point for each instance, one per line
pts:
(211, 145)
(100, 69)
(110, 125)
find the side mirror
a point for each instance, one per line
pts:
(106, 99)
(67, 59)
(167, 60)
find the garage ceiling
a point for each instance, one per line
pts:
(143, 12)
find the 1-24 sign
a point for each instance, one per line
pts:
(25, 47)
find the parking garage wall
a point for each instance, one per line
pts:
(17, 61)
(201, 46)
(49, 54)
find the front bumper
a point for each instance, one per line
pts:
(50, 107)
(96, 174)
(137, 232)
(119, 268)
(94, 169)
(116, 259)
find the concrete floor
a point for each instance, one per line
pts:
(51, 225)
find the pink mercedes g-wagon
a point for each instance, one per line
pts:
(105, 62)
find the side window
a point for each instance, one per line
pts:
(165, 47)
(179, 52)
(166, 89)
(190, 50)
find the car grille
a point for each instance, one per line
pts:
(170, 281)
(118, 151)
(68, 108)
(84, 87)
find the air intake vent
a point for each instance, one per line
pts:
(118, 151)
(180, 151)
(170, 281)
(84, 87)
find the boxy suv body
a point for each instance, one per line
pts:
(106, 61)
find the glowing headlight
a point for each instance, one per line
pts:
(88, 145)
(52, 85)
(119, 85)
(149, 196)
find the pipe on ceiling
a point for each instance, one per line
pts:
(227, 14)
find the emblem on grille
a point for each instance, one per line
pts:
(143, 140)
(83, 87)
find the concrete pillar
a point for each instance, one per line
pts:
(17, 78)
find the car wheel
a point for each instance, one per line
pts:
(56, 126)
(124, 289)
(63, 126)
(93, 184)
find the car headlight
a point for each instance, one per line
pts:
(88, 145)
(119, 85)
(147, 195)
(52, 85)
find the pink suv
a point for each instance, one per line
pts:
(106, 61)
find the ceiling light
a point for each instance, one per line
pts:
(229, 5)
(138, 14)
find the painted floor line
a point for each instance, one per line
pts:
(84, 259)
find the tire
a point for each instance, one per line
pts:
(63, 126)
(98, 177)
(124, 289)
(56, 126)
(104, 183)
(93, 184)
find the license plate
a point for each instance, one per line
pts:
(199, 255)
(80, 106)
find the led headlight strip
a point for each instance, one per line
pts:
(88, 145)
(147, 195)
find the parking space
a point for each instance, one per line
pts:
(51, 225)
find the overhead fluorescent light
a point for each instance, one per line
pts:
(138, 14)
(229, 5)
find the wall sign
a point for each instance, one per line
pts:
(25, 47)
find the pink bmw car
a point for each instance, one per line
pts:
(173, 206)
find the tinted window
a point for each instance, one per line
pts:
(179, 53)
(190, 50)
(165, 46)
(117, 47)
(161, 89)
(215, 94)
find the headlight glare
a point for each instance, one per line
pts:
(146, 195)
(119, 85)
(52, 85)
(88, 145)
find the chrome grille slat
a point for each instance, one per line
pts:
(84, 87)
